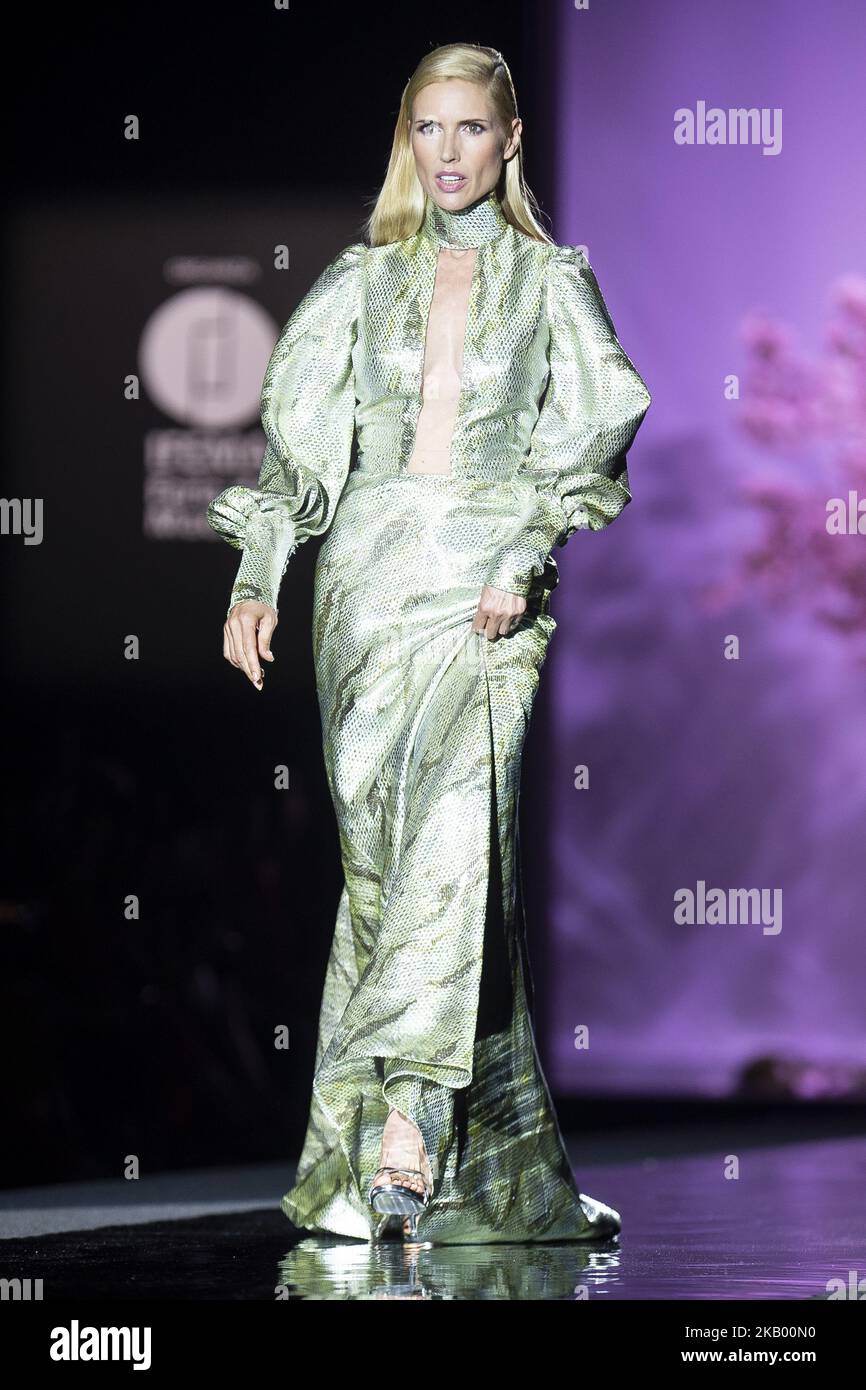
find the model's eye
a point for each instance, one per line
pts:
(474, 127)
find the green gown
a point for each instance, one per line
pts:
(425, 999)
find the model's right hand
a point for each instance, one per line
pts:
(247, 638)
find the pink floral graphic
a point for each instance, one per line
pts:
(793, 406)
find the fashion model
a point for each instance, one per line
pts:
(476, 364)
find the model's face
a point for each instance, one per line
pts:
(452, 132)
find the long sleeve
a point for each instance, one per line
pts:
(574, 477)
(308, 416)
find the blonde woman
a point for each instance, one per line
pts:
(476, 363)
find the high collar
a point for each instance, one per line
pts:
(472, 226)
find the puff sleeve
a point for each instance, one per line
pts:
(308, 416)
(574, 477)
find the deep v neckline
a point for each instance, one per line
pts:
(443, 356)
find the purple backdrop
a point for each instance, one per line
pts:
(745, 773)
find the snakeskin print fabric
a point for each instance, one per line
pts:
(307, 409)
(550, 402)
(426, 999)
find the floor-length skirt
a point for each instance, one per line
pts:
(425, 1003)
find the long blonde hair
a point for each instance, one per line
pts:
(399, 207)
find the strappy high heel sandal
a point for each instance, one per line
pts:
(395, 1199)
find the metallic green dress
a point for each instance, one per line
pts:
(425, 1000)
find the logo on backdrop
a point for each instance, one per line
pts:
(202, 358)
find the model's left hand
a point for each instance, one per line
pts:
(498, 612)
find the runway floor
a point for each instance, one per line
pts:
(790, 1224)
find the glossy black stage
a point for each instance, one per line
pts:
(766, 1208)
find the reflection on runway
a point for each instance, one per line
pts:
(790, 1225)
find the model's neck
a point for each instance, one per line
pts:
(481, 222)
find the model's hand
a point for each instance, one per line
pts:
(247, 638)
(498, 612)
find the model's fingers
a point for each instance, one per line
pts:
(237, 627)
(249, 650)
(499, 613)
(485, 622)
(265, 633)
(230, 642)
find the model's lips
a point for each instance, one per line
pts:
(448, 182)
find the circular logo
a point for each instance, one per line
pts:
(203, 355)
